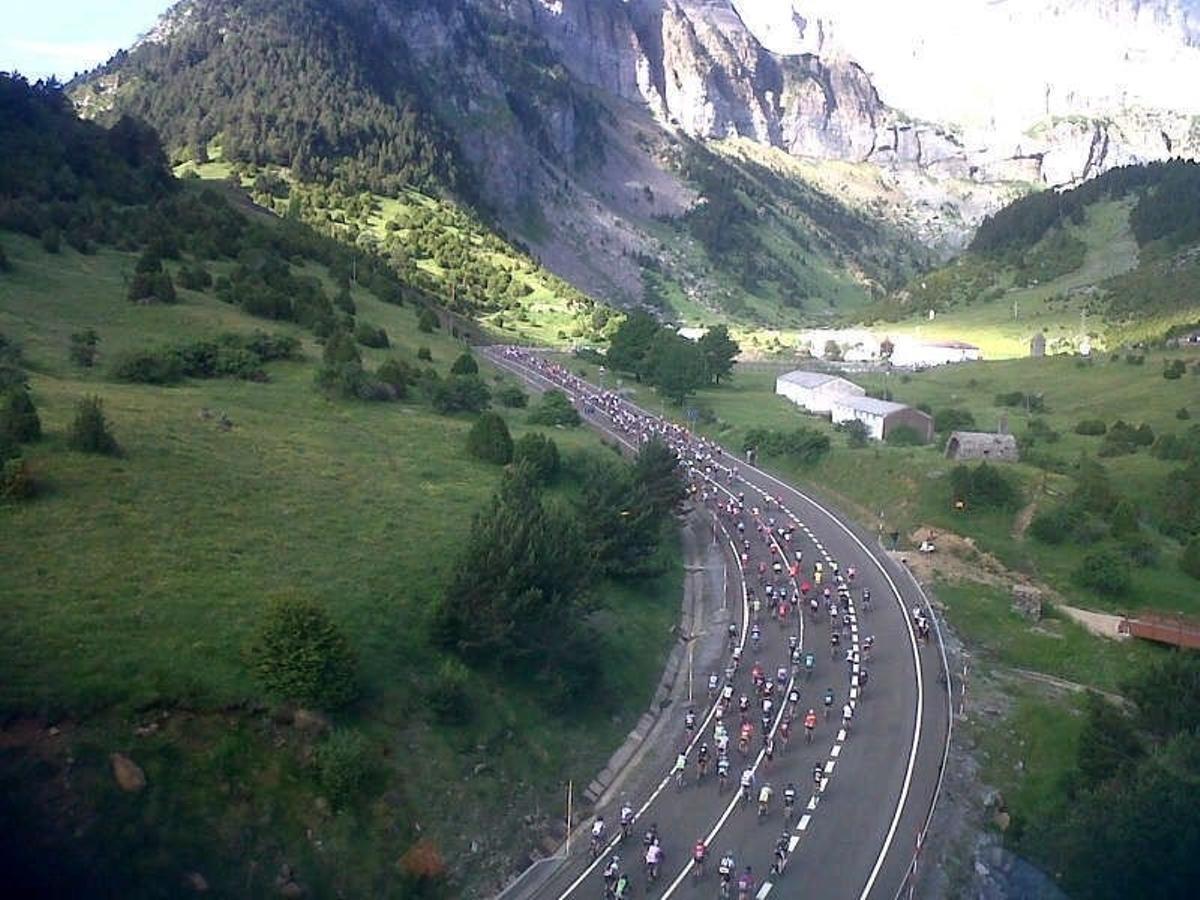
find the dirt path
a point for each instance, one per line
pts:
(1103, 624)
(1021, 523)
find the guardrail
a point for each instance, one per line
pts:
(909, 883)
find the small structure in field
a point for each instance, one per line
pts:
(963, 445)
(815, 391)
(1037, 345)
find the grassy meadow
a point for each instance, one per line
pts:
(131, 585)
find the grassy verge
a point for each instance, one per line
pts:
(131, 585)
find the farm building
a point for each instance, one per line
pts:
(982, 445)
(815, 391)
(935, 353)
(881, 417)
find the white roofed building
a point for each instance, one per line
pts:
(815, 391)
(881, 416)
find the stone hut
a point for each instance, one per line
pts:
(964, 445)
(1037, 345)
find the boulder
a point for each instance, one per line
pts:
(1027, 600)
(310, 722)
(129, 775)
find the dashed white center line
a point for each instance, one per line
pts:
(836, 751)
(829, 767)
(764, 890)
(803, 823)
(792, 842)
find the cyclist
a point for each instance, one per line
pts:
(789, 801)
(689, 721)
(747, 784)
(597, 836)
(722, 772)
(781, 854)
(714, 683)
(866, 598)
(746, 884)
(744, 738)
(764, 800)
(702, 762)
(621, 891)
(793, 700)
(699, 856)
(626, 820)
(769, 751)
(650, 838)
(611, 872)
(725, 869)
(654, 855)
(834, 638)
(847, 715)
(828, 702)
(810, 722)
(679, 769)
(818, 776)
(785, 731)
(743, 705)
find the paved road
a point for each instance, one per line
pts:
(856, 830)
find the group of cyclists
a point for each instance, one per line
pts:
(778, 584)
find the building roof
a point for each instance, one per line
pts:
(871, 405)
(809, 379)
(982, 440)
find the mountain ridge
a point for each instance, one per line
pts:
(571, 119)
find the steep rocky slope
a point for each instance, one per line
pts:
(579, 125)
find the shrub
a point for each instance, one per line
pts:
(148, 367)
(953, 419)
(983, 486)
(1189, 560)
(397, 374)
(343, 301)
(857, 433)
(195, 277)
(424, 354)
(554, 409)
(512, 396)
(1174, 369)
(465, 365)
(343, 762)
(1104, 572)
(904, 436)
(449, 694)
(1135, 359)
(5, 265)
(1040, 430)
(150, 286)
(371, 336)
(1140, 550)
(1052, 526)
(489, 440)
(84, 347)
(805, 445)
(1182, 414)
(1091, 427)
(427, 321)
(15, 483)
(19, 419)
(458, 393)
(299, 654)
(89, 431)
(51, 240)
(541, 454)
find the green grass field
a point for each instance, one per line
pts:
(131, 585)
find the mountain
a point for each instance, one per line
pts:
(610, 135)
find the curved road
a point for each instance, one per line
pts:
(856, 832)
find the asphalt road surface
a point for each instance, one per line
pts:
(855, 830)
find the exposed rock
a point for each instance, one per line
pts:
(129, 775)
(196, 882)
(310, 722)
(1027, 600)
(1002, 820)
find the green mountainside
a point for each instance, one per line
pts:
(287, 464)
(467, 103)
(1115, 260)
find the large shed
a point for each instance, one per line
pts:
(815, 391)
(881, 417)
(982, 445)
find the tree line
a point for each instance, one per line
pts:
(652, 353)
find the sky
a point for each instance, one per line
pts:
(63, 37)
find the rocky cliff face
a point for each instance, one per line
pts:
(575, 114)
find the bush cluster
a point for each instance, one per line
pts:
(300, 655)
(227, 356)
(89, 432)
(804, 445)
(555, 408)
(489, 440)
(983, 487)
